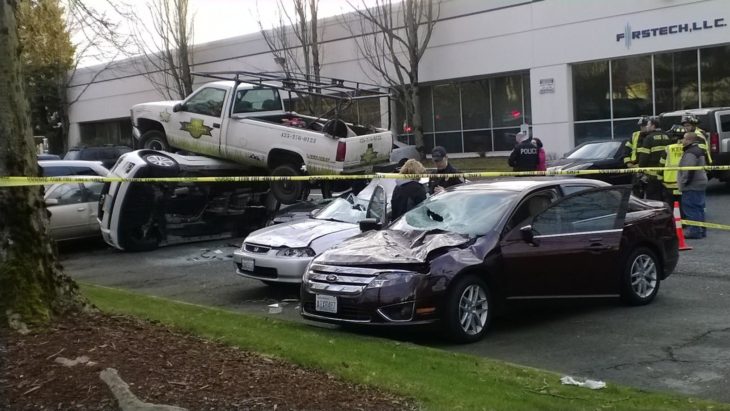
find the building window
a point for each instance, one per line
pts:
(631, 87)
(590, 91)
(646, 85)
(507, 101)
(675, 79)
(715, 76)
(116, 132)
(474, 116)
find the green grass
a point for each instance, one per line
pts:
(436, 379)
(475, 164)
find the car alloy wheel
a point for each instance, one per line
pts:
(640, 281)
(473, 309)
(160, 161)
(643, 276)
(468, 309)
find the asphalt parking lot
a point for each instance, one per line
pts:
(679, 343)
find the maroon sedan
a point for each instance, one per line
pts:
(457, 255)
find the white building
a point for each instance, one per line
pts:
(574, 70)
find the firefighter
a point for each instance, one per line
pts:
(671, 158)
(630, 155)
(690, 122)
(630, 158)
(650, 151)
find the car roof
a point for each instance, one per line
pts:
(695, 111)
(94, 165)
(520, 184)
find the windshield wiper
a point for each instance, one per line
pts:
(434, 216)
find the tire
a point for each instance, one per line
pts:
(287, 192)
(468, 300)
(154, 140)
(161, 165)
(640, 278)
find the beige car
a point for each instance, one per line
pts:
(73, 208)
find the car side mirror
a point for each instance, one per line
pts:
(370, 224)
(528, 235)
(51, 201)
(178, 107)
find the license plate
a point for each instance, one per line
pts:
(325, 303)
(247, 264)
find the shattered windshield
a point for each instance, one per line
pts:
(464, 212)
(347, 210)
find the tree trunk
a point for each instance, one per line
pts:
(31, 282)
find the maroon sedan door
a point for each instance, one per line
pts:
(571, 248)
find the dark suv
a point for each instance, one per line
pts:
(108, 155)
(715, 121)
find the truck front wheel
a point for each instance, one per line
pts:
(154, 140)
(288, 192)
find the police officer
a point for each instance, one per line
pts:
(441, 160)
(650, 151)
(690, 122)
(525, 155)
(671, 158)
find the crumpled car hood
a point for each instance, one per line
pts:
(389, 247)
(297, 233)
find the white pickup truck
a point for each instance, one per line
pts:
(247, 123)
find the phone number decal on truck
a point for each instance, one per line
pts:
(297, 137)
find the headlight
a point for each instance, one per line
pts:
(391, 278)
(296, 252)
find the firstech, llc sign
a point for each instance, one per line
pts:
(628, 35)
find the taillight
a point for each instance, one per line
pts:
(341, 151)
(715, 142)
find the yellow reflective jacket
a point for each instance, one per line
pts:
(702, 144)
(672, 157)
(630, 149)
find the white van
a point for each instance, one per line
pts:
(144, 216)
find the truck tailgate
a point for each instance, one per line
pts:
(364, 151)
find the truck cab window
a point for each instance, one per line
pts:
(257, 99)
(208, 102)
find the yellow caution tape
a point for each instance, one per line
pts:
(707, 225)
(13, 181)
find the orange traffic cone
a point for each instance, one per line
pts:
(678, 225)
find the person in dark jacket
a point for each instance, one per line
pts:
(407, 193)
(650, 151)
(441, 160)
(525, 156)
(692, 184)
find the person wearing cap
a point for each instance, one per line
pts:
(525, 156)
(441, 160)
(690, 122)
(650, 151)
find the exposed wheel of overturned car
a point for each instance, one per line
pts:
(288, 192)
(154, 140)
(640, 281)
(468, 310)
(161, 165)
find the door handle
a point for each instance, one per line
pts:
(216, 125)
(81, 209)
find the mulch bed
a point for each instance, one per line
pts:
(162, 366)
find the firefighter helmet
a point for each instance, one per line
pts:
(689, 118)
